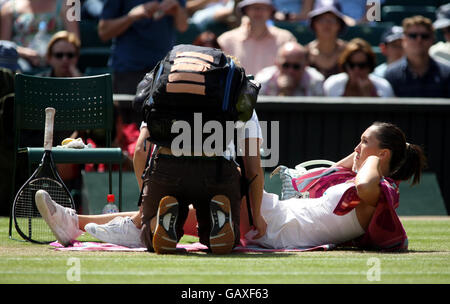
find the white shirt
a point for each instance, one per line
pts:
(311, 83)
(334, 86)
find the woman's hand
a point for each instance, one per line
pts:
(169, 7)
(145, 10)
(346, 162)
(365, 86)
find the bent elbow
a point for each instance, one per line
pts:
(362, 188)
(102, 33)
(140, 151)
(368, 192)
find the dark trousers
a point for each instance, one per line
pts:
(191, 180)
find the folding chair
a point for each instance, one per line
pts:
(81, 103)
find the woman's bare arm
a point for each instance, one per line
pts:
(367, 181)
(111, 28)
(140, 154)
(346, 162)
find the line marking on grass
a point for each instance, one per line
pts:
(148, 273)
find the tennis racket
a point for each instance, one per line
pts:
(27, 219)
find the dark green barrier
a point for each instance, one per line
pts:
(330, 128)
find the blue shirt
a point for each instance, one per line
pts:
(434, 83)
(288, 6)
(144, 43)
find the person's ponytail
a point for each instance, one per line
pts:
(407, 160)
(412, 166)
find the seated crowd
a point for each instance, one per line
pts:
(270, 53)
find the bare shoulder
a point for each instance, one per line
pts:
(281, 33)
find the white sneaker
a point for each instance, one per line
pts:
(62, 221)
(120, 231)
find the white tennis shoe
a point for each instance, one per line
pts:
(119, 231)
(62, 221)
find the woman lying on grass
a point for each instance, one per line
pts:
(360, 209)
(355, 200)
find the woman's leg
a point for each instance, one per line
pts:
(101, 219)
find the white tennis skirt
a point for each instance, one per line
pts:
(301, 223)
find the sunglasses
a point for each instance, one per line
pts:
(414, 36)
(361, 65)
(295, 66)
(60, 55)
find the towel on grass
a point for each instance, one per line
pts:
(193, 247)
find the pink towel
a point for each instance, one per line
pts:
(96, 246)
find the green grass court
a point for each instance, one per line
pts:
(426, 262)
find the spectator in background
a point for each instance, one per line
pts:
(143, 33)
(441, 50)
(205, 13)
(292, 10)
(323, 52)
(63, 52)
(255, 43)
(391, 47)
(21, 20)
(353, 12)
(290, 76)
(208, 39)
(417, 74)
(62, 56)
(357, 61)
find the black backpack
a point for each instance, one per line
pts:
(194, 79)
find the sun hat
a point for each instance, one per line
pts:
(245, 3)
(327, 8)
(8, 55)
(442, 17)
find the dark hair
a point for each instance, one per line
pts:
(407, 160)
(357, 45)
(208, 39)
(341, 22)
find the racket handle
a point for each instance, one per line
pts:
(48, 134)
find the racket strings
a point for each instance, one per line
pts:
(27, 216)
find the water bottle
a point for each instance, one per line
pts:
(110, 207)
(40, 41)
